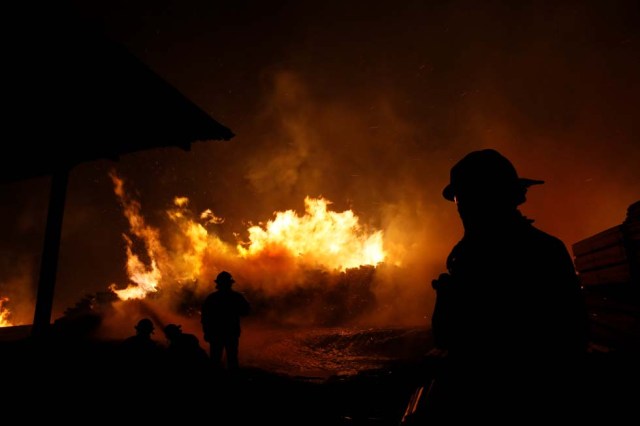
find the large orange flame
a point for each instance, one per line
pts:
(144, 278)
(320, 238)
(4, 313)
(325, 238)
(192, 241)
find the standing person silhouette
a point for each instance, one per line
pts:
(509, 313)
(221, 314)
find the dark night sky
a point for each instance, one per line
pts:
(368, 104)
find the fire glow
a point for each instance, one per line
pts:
(4, 313)
(318, 239)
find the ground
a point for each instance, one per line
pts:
(70, 379)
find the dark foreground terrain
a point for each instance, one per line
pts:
(88, 381)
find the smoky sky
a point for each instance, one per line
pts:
(368, 104)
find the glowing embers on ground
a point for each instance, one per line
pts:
(324, 238)
(319, 239)
(5, 314)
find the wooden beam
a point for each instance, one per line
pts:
(50, 251)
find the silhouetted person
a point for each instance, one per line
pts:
(221, 314)
(509, 313)
(184, 351)
(141, 343)
(140, 354)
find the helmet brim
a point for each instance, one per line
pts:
(449, 191)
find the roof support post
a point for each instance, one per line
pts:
(50, 251)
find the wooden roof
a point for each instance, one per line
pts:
(72, 95)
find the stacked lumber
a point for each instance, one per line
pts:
(613, 255)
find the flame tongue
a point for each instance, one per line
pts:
(145, 278)
(4, 313)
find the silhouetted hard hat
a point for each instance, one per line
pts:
(172, 330)
(144, 326)
(485, 169)
(224, 278)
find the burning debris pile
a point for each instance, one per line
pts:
(316, 268)
(325, 298)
